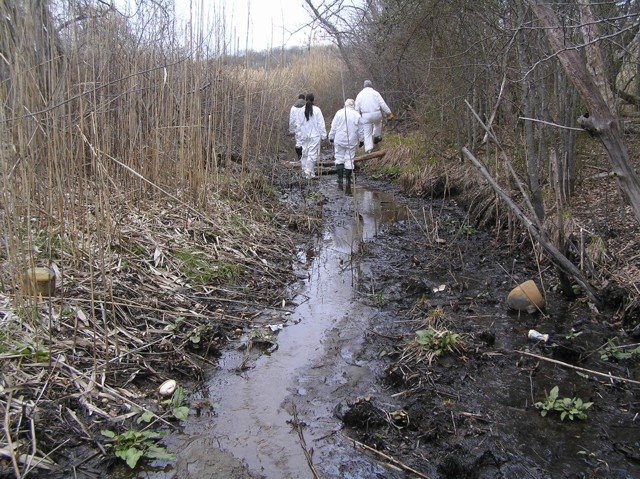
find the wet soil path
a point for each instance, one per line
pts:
(266, 385)
(383, 264)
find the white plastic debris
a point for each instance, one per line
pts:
(538, 336)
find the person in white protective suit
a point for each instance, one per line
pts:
(293, 115)
(345, 135)
(311, 130)
(371, 105)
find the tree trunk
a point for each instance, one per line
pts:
(599, 121)
(528, 99)
(595, 62)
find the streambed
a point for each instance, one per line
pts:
(298, 363)
(330, 386)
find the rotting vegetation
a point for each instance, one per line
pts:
(144, 185)
(162, 257)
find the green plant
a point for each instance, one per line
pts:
(377, 297)
(611, 351)
(439, 341)
(178, 409)
(132, 445)
(198, 268)
(392, 170)
(174, 326)
(573, 408)
(399, 417)
(195, 266)
(228, 271)
(314, 195)
(467, 230)
(30, 350)
(271, 190)
(573, 335)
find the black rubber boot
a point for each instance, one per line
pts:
(299, 151)
(347, 174)
(377, 139)
(340, 173)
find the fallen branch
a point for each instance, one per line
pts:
(367, 156)
(590, 371)
(388, 458)
(558, 258)
(308, 454)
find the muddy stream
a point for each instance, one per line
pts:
(307, 370)
(274, 406)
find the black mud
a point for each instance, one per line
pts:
(471, 413)
(341, 397)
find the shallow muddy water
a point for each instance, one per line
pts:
(472, 415)
(307, 367)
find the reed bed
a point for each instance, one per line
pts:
(138, 165)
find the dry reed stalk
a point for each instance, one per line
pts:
(138, 169)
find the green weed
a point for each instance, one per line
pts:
(439, 341)
(572, 408)
(176, 403)
(131, 446)
(612, 352)
(199, 270)
(467, 230)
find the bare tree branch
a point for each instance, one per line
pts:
(599, 121)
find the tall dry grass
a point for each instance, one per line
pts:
(132, 110)
(137, 157)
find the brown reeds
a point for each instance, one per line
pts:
(137, 163)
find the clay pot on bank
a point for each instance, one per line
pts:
(526, 297)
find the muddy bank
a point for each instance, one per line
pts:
(471, 412)
(344, 367)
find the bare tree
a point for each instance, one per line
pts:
(600, 120)
(330, 16)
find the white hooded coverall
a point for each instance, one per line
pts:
(346, 132)
(310, 132)
(293, 118)
(371, 105)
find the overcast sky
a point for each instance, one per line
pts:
(272, 23)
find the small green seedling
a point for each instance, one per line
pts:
(611, 351)
(467, 230)
(573, 335)
(572, 408)
(131, 445)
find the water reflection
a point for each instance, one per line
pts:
(370, 211)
